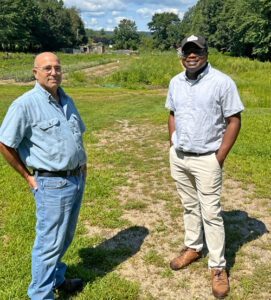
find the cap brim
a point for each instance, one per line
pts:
(196, 43)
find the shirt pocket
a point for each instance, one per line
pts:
(50, 128)
(45, 125)
(75, 124)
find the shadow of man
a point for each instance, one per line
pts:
(239, 229)
(105, 257)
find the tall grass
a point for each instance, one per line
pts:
(148, 69)
(251, 77)
(156, 70)
(90, 256)
(18, 66)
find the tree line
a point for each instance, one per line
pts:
(35, 25)
(238, 27)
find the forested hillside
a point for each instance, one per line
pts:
(241, 27)
(34, 25)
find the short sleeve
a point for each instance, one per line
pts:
(14, 125)
(169, 101)
(230, 100)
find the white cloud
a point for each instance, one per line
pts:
(147, 12)
(156, 3)
(96, 5)
(93, 21)
(118, 19)
(95, 13)
(109, 21)
(115, 13)
(167, 9)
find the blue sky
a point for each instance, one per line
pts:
(98, 14)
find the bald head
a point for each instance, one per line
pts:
(47, 71)
(44, 56)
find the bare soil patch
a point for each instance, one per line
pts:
(93, 72)
(162, 218)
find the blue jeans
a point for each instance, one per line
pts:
(58, 202)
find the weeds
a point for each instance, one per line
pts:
(128, 221)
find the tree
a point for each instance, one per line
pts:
(34, 25)
(18, 22)
(163, 27)
(77, 26)
(240, 27)
(125, 35)
(146, 42)
(244, 28)
(205, 18)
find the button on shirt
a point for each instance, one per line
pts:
(200, 108)
(46, 135)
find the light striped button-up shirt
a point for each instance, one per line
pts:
(200, 108)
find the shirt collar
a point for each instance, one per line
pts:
(50, 98)
(200, 76)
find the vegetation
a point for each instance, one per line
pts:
(129, 184)
(18, 66)
(125, 35)
(150, 69)
(164, 28)
(39, 25)
(240, 27)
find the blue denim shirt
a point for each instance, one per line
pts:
(45, 136)
(200, 108)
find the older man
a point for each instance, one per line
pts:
(42, 131)
(204, 122)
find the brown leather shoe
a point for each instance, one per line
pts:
(220, 283)
(187, 255)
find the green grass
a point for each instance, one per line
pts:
(91, 255)
(19, 65)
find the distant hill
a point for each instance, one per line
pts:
(97, 33)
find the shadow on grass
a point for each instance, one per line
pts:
(104, 258)
(239, 229)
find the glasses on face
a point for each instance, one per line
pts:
(197, 52)
(48, 69)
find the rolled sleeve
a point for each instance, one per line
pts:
(14, 125)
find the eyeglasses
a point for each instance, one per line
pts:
(48, 69)
(197, 52)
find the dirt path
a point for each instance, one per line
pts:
(160, 213)
(93, 72)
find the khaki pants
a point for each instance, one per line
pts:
(199, 180)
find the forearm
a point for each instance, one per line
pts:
(171, 126)
(229, 137)
(12, 157)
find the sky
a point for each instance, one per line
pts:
(106, 14)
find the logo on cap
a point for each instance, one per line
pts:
(192, 38)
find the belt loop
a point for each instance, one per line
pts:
(35, 174)
(68, 173)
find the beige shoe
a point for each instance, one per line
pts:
(220, 283)
(187, 255)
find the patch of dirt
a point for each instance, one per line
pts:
(162, 218)
(93, 72)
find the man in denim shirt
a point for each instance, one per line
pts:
(204, 122)
(42, 131)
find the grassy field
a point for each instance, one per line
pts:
(130, 224)
(18, 66)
